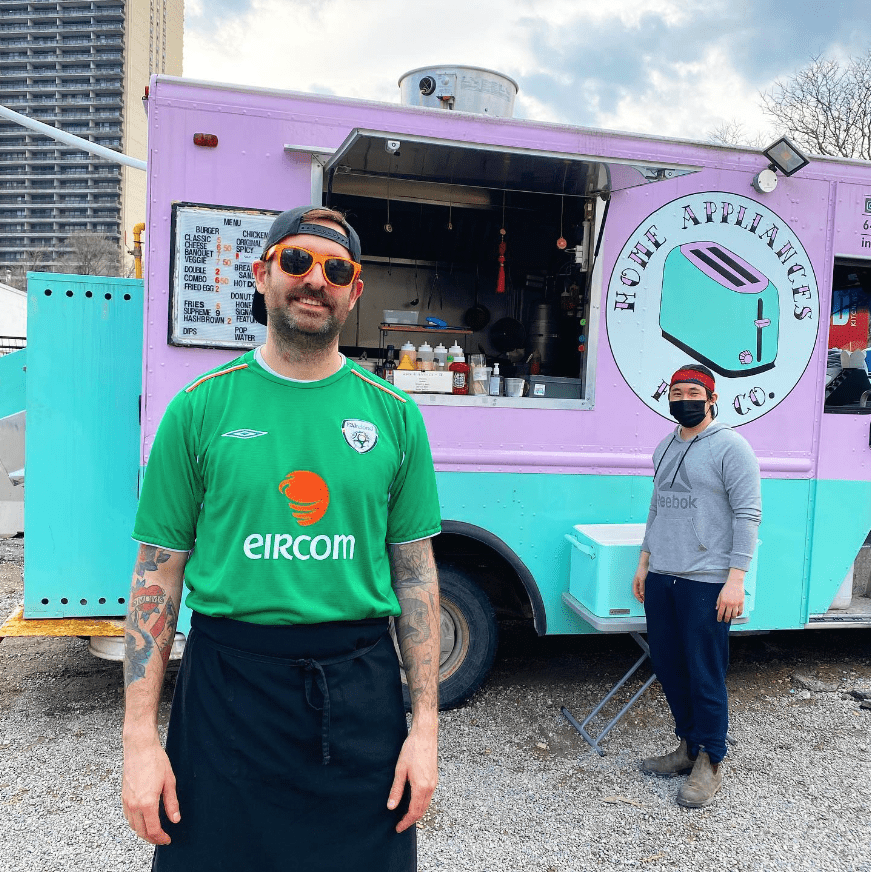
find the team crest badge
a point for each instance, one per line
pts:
(360, 435)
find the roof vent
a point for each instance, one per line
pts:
(461, 89)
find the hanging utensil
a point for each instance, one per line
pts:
(416, 299)
(478, 316)
(388, 227)
(561, 242)
(437, 284)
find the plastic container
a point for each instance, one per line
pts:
(407, 357)
(425, 357)
(455, 352)
(495, 389)
(400, 316)
(514, 387)
(480, 374)
(460, 369)
(440, 357)
(555, 387)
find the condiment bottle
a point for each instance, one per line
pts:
(389, 365)
(495, 382)
(440, 356)
(460, 369)
(425, 357)
(407, 356)
(455, 353)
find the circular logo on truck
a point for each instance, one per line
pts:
(717, 279)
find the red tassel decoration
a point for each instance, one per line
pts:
(500, 281)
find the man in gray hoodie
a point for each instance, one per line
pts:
(700, 539)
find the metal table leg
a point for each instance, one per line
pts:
(581, 726)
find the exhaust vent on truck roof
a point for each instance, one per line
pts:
(463, 89)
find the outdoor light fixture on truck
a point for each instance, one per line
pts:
(588, 265)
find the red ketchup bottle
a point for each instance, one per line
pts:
(460, 379)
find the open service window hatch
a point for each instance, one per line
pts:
(451, 166)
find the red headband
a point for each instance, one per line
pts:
(694, 376)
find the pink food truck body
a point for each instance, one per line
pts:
(624, 257)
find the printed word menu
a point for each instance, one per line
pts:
(212, 283)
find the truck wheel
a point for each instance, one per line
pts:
(469, 636)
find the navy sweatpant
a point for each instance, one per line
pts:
(689, 650)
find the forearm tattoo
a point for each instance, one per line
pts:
(415, 583)
(151, 616)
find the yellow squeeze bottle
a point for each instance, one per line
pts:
(407, 357)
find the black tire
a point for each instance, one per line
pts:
(469, 638)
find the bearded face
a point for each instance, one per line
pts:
(306, 313)
(306, 316)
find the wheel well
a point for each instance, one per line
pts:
(496, 568)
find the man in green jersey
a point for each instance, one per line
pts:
(308, 488)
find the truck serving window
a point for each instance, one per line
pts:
(848, 388)
(496, 245)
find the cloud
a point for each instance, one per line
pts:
(674, 67)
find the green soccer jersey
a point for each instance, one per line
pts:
(288, 492)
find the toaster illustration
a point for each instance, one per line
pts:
(719, 309)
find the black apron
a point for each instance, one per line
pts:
(284, 742)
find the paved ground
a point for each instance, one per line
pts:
(519, 789)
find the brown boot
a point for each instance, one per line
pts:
(677, 762)
(703, 783)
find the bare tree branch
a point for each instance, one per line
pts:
(733, 132)
(35, 260)
(826, 107)
(90, 254)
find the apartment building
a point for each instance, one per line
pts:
(82, 66)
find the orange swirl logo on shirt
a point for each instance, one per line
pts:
(308, 496)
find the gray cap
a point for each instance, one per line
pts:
(290, 223)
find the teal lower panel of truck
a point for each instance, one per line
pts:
(811, 532)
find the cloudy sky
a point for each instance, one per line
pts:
(669, 67)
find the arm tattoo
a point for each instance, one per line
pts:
(415, 583)
(151, 617)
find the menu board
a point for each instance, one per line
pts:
(212, 286)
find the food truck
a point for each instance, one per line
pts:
(588, 264)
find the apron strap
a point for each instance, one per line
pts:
(315, 676)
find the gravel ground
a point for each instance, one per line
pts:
(519, 789)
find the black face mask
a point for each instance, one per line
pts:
(688, 413)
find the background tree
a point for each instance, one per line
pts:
(90, 254)
(35, 260)
(825, 107)
(735, 133)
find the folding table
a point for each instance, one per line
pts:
(635, 626)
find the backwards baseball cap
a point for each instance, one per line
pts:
(292, 223)
(694, 376)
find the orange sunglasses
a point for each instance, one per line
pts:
(299, 262)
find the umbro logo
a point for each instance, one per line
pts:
(245, 434)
